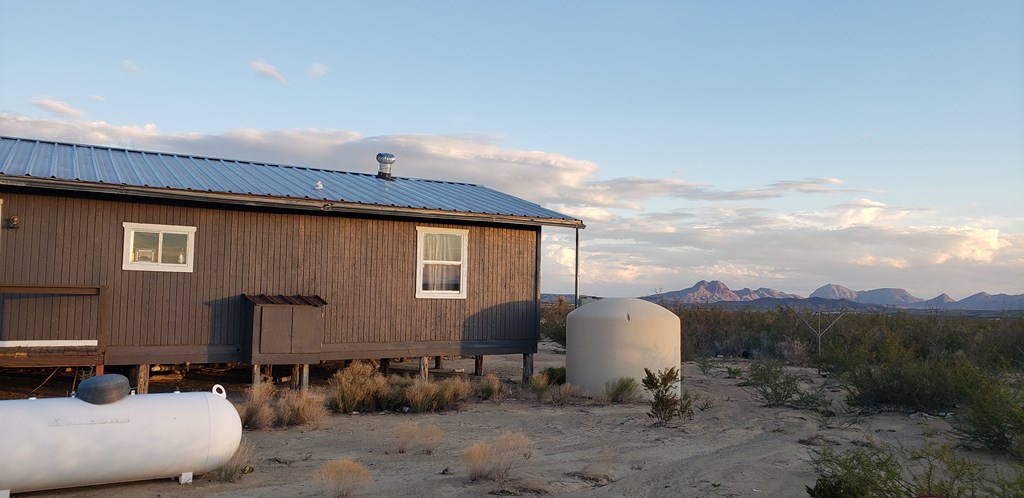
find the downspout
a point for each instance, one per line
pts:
(576, 298)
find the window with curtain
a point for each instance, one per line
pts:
(441, 262)
(150, 247)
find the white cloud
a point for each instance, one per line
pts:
(266, 70)
(743, 237)
(131, 67)
(58, 107)
(316, 70)
(98, 98)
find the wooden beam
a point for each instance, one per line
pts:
(142, 379)
(304, 383)
(424, 367)
(256, 374)
(478, 365)
(527, 368)
(385, 366)
(295, 376)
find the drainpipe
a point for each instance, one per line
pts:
(576, 299)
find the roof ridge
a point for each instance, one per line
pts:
(224, 159)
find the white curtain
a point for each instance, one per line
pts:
(442, 262)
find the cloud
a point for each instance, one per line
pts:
(98, 98)
(266, 70)
(791, 235)
(131, 67)
(57, 107)
(316, 70)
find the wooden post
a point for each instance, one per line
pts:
(527, 368)
(98, 369)
(268, 372)
(385, 366)
(304, 384)
(438, 362)
(424, 367)
(478, 365)
(295, 376)
(255, 373)
(142, 379)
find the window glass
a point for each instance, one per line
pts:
(174, 248)
(145, 246)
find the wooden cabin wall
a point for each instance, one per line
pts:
(364, 268)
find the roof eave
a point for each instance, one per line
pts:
(304, 204)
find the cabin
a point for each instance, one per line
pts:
(113, 256)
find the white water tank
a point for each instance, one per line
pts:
(619, 337)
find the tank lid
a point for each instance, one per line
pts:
(103, 389)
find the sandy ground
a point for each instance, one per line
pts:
(735, 447)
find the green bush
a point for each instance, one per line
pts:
(928, 385)
(773, 385)
(667, 404)
(552, 320)
(879, 470)
(556, 375)
(993, 416)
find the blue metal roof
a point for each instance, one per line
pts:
(106, 169)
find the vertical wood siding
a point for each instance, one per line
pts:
(364, 268)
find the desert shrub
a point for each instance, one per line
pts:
(706, 365)
(993, 416)
(552, 320)
(423, 396)
(393, 395)
(239, 464)
(622, 390)
(257, 412)
(539, 384)
(666, 403)
(563, 394)
(772, 384)
(452, 392)
(929, 385)
(356, 388)
(302, 407)
(429, 438)
(498, 460)
(884, 471)
(405, 434)
(556, 375)
(345, 476)
(733, 373)
(490, 387)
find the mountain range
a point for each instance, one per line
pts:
(715, 291)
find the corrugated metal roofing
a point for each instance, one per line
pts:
(112, 169)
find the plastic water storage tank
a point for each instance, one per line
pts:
(618, 337)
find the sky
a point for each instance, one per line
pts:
(781, 144)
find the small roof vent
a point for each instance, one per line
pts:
(386, 159)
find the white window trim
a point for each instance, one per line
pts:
(128, 264)
(437, 294)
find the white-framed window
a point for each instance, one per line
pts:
(441, 262)
(158, 247)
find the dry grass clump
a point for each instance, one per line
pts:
(411, 434)
(539, 384)
(300, 408)
(345, 476)
(405, 434)
(499, 460)
(564, 394)
(490, 387)
(257, 412)
(356, 388)
(623, 390)
(422, 396)
(239, 464)
(454, 392)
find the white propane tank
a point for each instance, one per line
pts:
(619, 337)
(66, 442)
